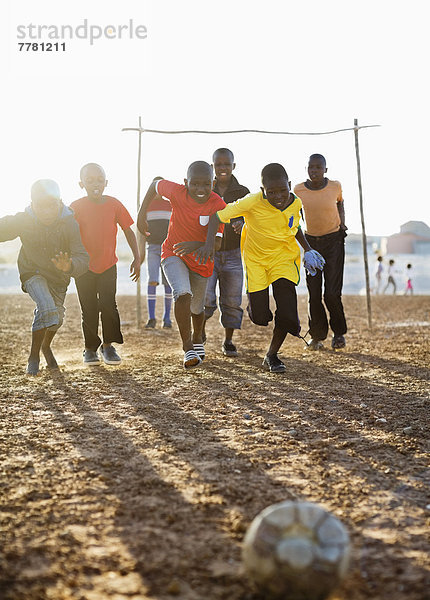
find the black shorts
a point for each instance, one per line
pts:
(286, 315)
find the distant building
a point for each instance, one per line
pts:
(414, 238)
(354, 244)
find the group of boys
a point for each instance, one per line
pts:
(209, 225)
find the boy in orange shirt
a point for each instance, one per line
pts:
(98, 216)
(325, 231)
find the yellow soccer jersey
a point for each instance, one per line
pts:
(268, 244)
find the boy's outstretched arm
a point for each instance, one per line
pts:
(142, 225)
(9, 228)
(132, 242)
(207, 250)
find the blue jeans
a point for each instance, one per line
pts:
(153, 259)
(49, 299)
(183, 281)
(228, 273)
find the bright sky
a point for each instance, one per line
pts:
(238, 64)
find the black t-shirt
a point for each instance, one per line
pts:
(235, 190)
(158, 229)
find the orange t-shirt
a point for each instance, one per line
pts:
(320, 206)
(98, 224)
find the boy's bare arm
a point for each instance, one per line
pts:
(132, 242)
(300, 237)
(141, 244)
(183, 248)
(341, 211)
(142, 225)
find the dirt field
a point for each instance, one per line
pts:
(139, 481)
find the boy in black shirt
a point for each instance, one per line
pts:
(228, 272)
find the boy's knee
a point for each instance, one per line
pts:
(260, 318)
(153, 283)
(183, 298)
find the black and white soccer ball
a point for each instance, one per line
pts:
(296, 550)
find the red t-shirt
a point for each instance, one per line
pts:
(189, 222)
(98, 224)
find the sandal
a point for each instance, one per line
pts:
(199, 349)
(191, 359)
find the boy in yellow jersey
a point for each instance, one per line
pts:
(271, 255)
(325, 230)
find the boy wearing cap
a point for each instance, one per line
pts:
(51, 253)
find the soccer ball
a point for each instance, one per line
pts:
(296, 551)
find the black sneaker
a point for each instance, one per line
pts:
(167, 324)
(91, 358)
(151, 324)
(337, 342)
(229, 349)
(274, 363)
(110, 355)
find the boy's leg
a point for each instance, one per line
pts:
(178, 275)
(34, 356)
(86, 286)
(168, 297)
(197, 306)
(260, 314)
(286, 314)
(333, 280)
(47, 314)
(211, 299)
(317, 317)
(230, 297)
(111, 326)
(58, 295)
(153, 262)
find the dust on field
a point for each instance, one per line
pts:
(139, 481)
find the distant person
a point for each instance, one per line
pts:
(271, 255)
(228, 270)
(51, 253)
(158, 218)
(390, 279)
(325, 231)
(98, 217)
(378, 274)
(192, 205)
(409, 287)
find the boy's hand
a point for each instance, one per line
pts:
(204, 253)
(312, 260)
(63, 262)
(143, 228)
(135, 270)
(183, 248)
(237, 226)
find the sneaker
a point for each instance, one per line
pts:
(274, 363)
(229, 349)
(151, 324)
(315, 344)
(167, 324)
(338, 341)
(91, 358)
(110, 355)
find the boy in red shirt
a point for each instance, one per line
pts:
(192, 206)
(98, 217)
